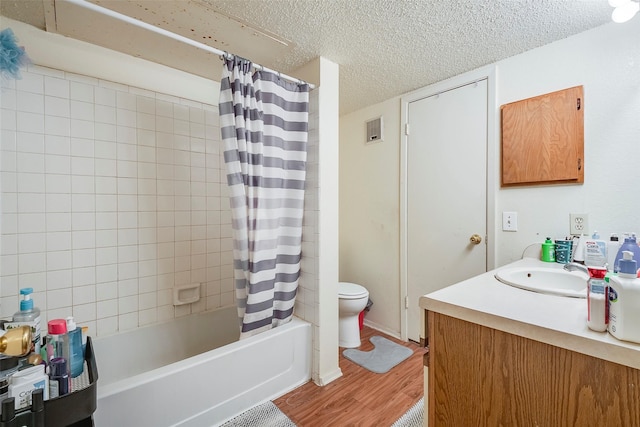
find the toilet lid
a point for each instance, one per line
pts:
(351, 290)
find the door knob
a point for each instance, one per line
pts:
(475, 239)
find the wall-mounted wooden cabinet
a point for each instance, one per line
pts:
(543, 139)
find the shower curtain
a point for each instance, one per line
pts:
(263, 123)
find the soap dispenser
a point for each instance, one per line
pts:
(624, 300)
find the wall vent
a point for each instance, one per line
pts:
(374, 131)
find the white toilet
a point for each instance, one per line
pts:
(352, 299)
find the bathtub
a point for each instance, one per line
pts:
(194, 372)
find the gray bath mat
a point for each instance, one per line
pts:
(265, 415)
(414, 417)
(383, 357)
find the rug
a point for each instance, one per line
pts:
(264, 415)
(414, 417)
(382, 358)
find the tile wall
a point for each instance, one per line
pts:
(110, 196)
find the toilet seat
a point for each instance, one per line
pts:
(347, 290)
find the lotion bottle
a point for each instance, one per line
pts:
(597, 304)
(595, 251)
(624, 300)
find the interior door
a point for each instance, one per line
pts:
(446, 193)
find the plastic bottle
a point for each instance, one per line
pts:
(624, 300)
(629, 244)
(58, 341)
(613, 245)
(597, 304)
(28, 315)
(595, 251)
(58, 377)
(578, 249)
(548, 251)
(76, 357)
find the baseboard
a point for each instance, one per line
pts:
(382, 329)
(326, 379)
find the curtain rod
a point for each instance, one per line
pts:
(186, 40)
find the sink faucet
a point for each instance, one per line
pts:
(573, 266)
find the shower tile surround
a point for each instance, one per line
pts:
(110, 196)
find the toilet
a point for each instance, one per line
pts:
(352, 299)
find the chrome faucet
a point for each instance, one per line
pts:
(573, 266)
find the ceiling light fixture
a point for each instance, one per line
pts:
(624, 10)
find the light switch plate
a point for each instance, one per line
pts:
(509, 221)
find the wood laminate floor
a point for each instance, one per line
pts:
(360, 397)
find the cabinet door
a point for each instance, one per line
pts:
(543, 139)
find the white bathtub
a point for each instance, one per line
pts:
(210, 378)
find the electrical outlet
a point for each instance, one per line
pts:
(509, 221)
(578, 224)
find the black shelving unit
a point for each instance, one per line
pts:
(71, 410)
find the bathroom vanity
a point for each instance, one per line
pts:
(501, 355)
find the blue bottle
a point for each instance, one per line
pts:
(76, 356)
(630, 244)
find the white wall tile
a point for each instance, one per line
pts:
(54, 86)
(59, 126)
(107, 326)
(58, 260)
(31, 82)
(54, 144)
(84, 294)
(58, 222)
(104, 191)
(107, 308)
(28, 142)
(81, 91)
(59, 298)
(54, 106)
(82, 147)
(58, 183)
(59, 279)
(58, 240)
(84, 276)
(105, 132)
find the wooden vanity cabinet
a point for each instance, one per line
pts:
(478, 376)
(543, 139)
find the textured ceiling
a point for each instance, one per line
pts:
(384, 47)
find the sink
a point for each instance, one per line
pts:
(545, 280)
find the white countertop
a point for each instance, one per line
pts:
(555, 320)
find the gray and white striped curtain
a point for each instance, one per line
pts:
(264, 122)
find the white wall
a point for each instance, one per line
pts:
(606, 60)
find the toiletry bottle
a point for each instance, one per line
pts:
(578, 249)
(58, 377)
(624, 300)
(613, 245)
(629, 244)
(58, 341)
(597, 301)
(548, 251)
(595, 251)
(75, 348)
(28, 315)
